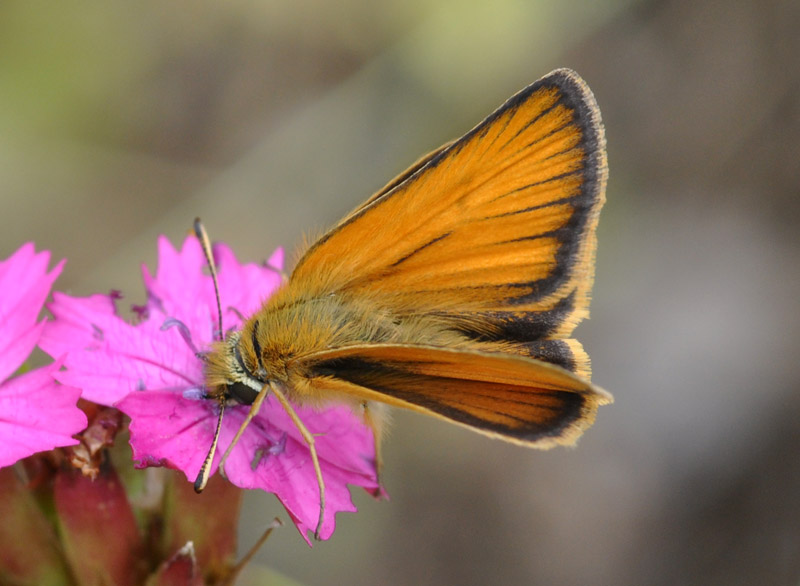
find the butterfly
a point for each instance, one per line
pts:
(453, 291)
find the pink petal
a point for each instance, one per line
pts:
(276, 260)
(24, 285)
(152, 372)
(174, 431)
(168, 430)
(37, 414)
(76, 323)
(182, 290)
(277, 459)
(180, 280)
(16, 344)
(108, 358)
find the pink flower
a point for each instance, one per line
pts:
(36, 414)
(152, 372)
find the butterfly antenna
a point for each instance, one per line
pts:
(205, 470)
(205, 243)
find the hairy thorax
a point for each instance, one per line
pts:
(279, 342)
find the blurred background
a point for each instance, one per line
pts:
(121, 121)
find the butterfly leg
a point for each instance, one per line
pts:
(254, 409)
(374, 416)
(309, 439)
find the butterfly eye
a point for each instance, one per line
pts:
(242, 393)
(237, 354)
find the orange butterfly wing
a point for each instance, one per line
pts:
(495, 231)
(521, 400)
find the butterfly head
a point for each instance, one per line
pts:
(232, 372)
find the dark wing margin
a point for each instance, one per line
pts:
(521, 400)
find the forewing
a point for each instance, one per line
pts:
(495, 230)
